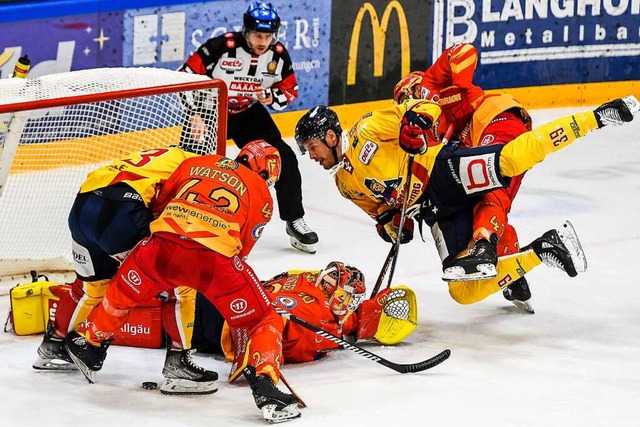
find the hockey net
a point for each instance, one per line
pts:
(55, 129)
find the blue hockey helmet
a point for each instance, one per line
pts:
(262, 18)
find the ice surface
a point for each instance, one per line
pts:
(576, 362)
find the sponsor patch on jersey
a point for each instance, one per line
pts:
(488, 139)
(231, 64)
(228, 164)
(240, 86)
(367, 152)
(478, 173)
(82, 259)
(346, 164)
(287, 302)
(257, 230)
(271, 67)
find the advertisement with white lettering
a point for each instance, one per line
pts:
(543, 42)
(164, 37)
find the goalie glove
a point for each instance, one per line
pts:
(413, 132)
(389, 317)
(388, 225)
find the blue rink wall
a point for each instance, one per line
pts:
(547, 53)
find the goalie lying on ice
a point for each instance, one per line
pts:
(331, 299)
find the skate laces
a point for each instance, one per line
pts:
(300, 226)
(189, 363)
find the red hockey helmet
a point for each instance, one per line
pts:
(262, 158)
(344, 287)
(406, 87)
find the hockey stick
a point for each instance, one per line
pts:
(403, 217)
(387, 262)
(398, 367)
(393, 252)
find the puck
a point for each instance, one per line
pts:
(149, 385)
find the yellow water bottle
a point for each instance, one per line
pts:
(22, 67)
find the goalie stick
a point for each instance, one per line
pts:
(398, 367)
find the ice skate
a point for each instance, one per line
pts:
(519, 294)
(475, 263)
(52, 354)
(561, 248)
(87, 357)
(183, 376)
(617, 112)
(301, 236)
(276, 406)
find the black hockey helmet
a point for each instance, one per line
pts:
(315, 124)
(261, 17)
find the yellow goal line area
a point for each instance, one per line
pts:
(91, 149)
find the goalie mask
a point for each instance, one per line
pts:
(263, 159)
(344, 287)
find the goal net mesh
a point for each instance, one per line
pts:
(57, 128)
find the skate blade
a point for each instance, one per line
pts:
(310, 249)
(632, 103)
(53, 365)
(523, 305)
(570, 239)
(174, 386)
(457, 274)
(88, 373)
(273, 416)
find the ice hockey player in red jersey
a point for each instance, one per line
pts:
(213, 210)
(259, 73)
(109, 216)
(332, 299)
(477, 119)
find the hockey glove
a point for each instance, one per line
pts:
(388, 225)
(413, 132)
(617, 111)
(458, 103)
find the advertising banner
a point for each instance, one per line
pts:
(57, 45)
(373, 44)
(165, 36)
(543, 42)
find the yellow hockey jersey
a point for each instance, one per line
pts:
(144, 171)
(374, 167)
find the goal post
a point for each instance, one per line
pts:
(56, 128)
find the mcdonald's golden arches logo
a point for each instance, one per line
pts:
(379, 30)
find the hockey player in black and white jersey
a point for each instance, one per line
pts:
(258, 72)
